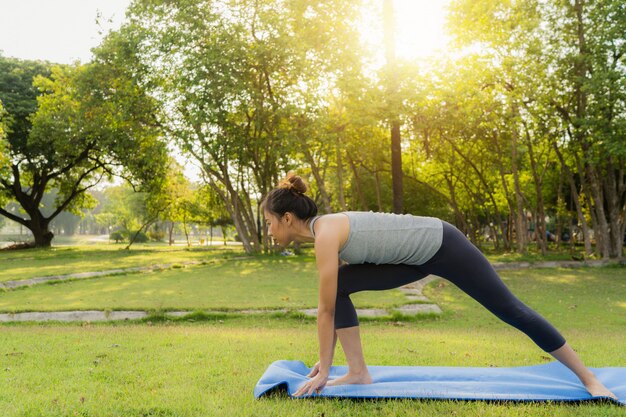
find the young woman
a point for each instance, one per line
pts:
(385, 251)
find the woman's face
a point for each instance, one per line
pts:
(277, 229)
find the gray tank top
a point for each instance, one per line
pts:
(385, 238)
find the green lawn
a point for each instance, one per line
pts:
(24, 264)
(261, 283)
(209, 367)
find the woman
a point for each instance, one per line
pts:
(385, 251)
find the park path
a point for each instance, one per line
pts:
(419, 304)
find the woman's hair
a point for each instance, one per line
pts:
(289, 197)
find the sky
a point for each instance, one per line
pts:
(63, 31)
(59, 31)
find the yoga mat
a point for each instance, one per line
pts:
(549, 382)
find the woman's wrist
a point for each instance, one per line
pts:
(324, 370)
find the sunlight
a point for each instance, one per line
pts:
(419, 29)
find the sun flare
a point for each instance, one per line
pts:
(419, 28)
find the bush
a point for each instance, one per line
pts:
(118, 236)
(156, 235)
(141, 237)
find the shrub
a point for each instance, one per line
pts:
(156, 235)
(141, 237)
(118, 236)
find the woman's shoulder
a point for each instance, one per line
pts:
(332, 225)
(331, 218)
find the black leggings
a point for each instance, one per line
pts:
(461, 263)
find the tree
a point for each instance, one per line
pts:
(178, 196)
(125, 212)
(89, 122)
(236, 75)
(587, 92)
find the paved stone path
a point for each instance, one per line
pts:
(412, 291)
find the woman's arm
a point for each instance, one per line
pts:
(327, 258)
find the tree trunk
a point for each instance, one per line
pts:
(321, 185)
(43, 239)
(392, 99)
(461, 222)
(379, 200)
(541, 216)
(602, 234)
(234, 206)
(39, 227)
(505, 228)
(144, 226)
(559, 202)
(186, 231)
(170, 233)
(577, 201)
(223, 234)
(396, 168)
(614, 193)
(357, 183)
(340, 188)
(520, 218)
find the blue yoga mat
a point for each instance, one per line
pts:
(549, 382)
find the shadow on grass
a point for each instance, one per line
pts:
(279, 393)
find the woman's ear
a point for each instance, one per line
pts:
(288, 218)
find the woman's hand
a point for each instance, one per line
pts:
(314, 385)
(314, 371)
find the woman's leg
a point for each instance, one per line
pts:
(566, 355)
(355, 278)
(350, 340)
(461, 263)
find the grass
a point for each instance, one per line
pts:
(256, 283)
(209, 367)
(569, 298)
(61, 260)
(24, 264)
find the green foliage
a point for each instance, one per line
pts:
(123, 208)
(524, 120)
(141, 237)
(119, 236)
(19, 97)
(245, 84)
(74, 126)
(156, 235)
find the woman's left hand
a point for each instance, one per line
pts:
(314, 385)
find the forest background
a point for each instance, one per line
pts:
(517, 135)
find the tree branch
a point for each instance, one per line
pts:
(13, 217)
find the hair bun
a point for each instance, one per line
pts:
(293, 183)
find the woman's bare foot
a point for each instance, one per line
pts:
(351, 379)
(597, 389)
